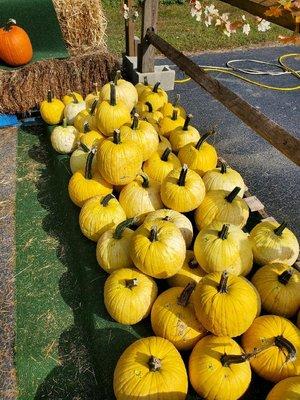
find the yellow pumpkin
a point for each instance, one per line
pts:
(140, 197)
(168, 124)
(89, 137)
(184, 135)
(143, 134)
(141, 86)
(81, 119)
(220, 247)
(287, 389)
(173, 317)
(125, 92)
(182, 190)
(52, 110)
(150, 368)
(168, 108)
(92, 97)
(79, 157)
(119, 161)
(151, 116)
(222, 206)
(223, 178)
(201, 157)
(219, 369)
(111, 114)
(112, 247)
(191, 272)
(69, 98)
(160, 164)
(99, 214)
(181, 221)
(278, 342)
(92, 118)
(225, 304)
(163, 143)
(274, 243)
(158, 249)
(83, 184)
(279, 289)
(64, 138)
(157, 97)
(129, 295)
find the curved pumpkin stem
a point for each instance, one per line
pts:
(149, 105)
(165, 154)
(130, 283)
(193, 263)
(182, 176)
(186, 294)
(223, 288)
(232, 195)
(278, 231)
(75, 100)
(9, 24)
(154, 364)
(106, 199)
(203, 139)
(155, 87)
(117, 136)
(174, 115)
(227, 359)
(223, 234)
(283, 343)
(121, 227)
(145, 183)
(187, 122)
(223, 169)
(153, 234)
(285, 277)
(93, 107)
(84, 147)
(88, 165)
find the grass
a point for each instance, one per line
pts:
(176, 25)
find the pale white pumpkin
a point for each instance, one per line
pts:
(72, 109)
(64, 138)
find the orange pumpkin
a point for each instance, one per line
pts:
(15, 45)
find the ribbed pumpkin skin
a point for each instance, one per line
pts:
(95, 218)
(167, 125)
(129, 305)
(210, 379)
(270, 248)
(91, 138)
(180, 137)
(157, 100)
(138, 201)
(78, 161)
(69, 98)
(15, 46)
(80, 119)
(110, 117)
(161, 258)
(182, 198)
(225, 314)
(82, 189)
(201, 160)
(64, 139)
(52, 112)
(175, 322)
(125, 91)
(271, 364)
(168, 109)
(287, 389)
(118, 163)
(163, 144)
(215, 180)
(169, 383)
(278, 298)
(233, 254)
(189, 273)
(111, 253)
(181, 221)
(158, 169)
(215, 208)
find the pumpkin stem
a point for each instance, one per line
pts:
(65, 122)
(49, 96)
(227, 359)
(145, 183)
(113, 100)
(278, 231)
(187, 122)
(193, 263)
(167, 218)
(88, 165)
(130, 283)
(186, 294)
(223, 168)
(223, 234)
(150, 108)
(121, 227)
(75, 100)
(146, 83)
(106, 199)
(155, 88)
(96, 85)
(223, 288)
(153, 234)
(285, 277)
(174, 115)
(117, 136)
(232, 195)
(84, 148)
(117, 77)
(182, 176)
(159, 139)
(203, 139)
(154, 364)
(9, 24)
(176, 101)
(165, 154)
(283, 343)
(93, 107)
(86, 127)
(135, 121)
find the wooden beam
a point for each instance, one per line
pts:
(129, 32)
(266, 128)
(146, 53)
(286, 20)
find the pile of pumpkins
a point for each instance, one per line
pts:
(146, 180)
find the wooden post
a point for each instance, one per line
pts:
(146, 53)
(129, 32)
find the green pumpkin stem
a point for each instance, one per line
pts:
(75, 100)
(174, 115)
(223, 288)
(135, 122)
(187, 122)
(232, 195)
(176, 101)
(86, 127)
(153, 234)
(84, 147)
(193, 263)
(121, 227)
(155, 87)
(223, 168)
(117, 77)
(117, 136)
(165, 154)
(96, 91)
(182, 176)
(113, 99)
(130, 283)
(106, 199)
(146, 83)
(145, 183)
(186, 294)
(227, 359)
(65, 122)
(154, 364)
(278, 231)
(149, 105)
(285, 277)
(49, 96)
(93, 107)
(88, 164)
(203, 139)
(223, 234)
(11, 22)
(283, 343)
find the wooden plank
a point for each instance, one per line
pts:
(257, 9)
(146, 53)
(129, 32)
(261, 124)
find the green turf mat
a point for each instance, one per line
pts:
(39, 19)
